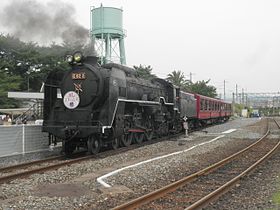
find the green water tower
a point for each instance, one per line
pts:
(107, 34)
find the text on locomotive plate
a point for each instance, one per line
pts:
(80, 75)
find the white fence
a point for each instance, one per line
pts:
(21, 139)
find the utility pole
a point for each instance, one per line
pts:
(224, 90)
(236, 93)
(191, 75)
(233, 103)
(243, 96)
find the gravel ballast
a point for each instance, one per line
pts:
(51, 190)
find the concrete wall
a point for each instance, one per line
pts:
(20, 139)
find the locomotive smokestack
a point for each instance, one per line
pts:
(43, 22)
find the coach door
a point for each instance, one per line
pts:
(177, 99)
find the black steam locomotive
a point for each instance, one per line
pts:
(95, 106)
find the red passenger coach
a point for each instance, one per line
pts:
(210, 110)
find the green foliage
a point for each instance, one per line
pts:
(200, 87)
(276, 195)
(269, 111)
(203, 88)
(177, 78)
(8, 83)
(24, 66)
(144, 72)
(238, 108)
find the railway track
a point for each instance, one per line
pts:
(199, 189)
(39, 166)
(23, 170)
(7, 173)
(23, 165)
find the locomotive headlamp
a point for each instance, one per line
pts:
(78, 57)
(69, 58)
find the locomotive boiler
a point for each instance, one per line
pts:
(94, 106)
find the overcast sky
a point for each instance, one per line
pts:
(237, 41)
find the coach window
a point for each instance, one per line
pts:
(201, 104)
(204, 104)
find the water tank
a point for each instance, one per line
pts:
(107, 20)
(108, 34)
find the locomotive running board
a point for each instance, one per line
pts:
(133, 101)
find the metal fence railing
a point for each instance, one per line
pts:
(21, 139)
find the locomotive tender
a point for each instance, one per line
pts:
(94, 106)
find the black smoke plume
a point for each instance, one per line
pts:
(54, 21)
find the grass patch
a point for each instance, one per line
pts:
(276, 198)
(276, 195)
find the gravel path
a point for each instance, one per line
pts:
(75, 187)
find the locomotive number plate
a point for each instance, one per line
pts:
(80, 75)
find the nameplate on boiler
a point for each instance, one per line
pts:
(80, 75)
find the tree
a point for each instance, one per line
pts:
(25, 66)
(144, 72)
(202, 87)
(177, 78)
(8, 83)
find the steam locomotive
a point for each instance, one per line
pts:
(95, 106)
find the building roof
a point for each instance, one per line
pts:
(16, 111)
(26, 95)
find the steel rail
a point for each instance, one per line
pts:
(227, 186)
(21, 165)
(175, 185)
(10, 177)
(276, 123)
(7, 178)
